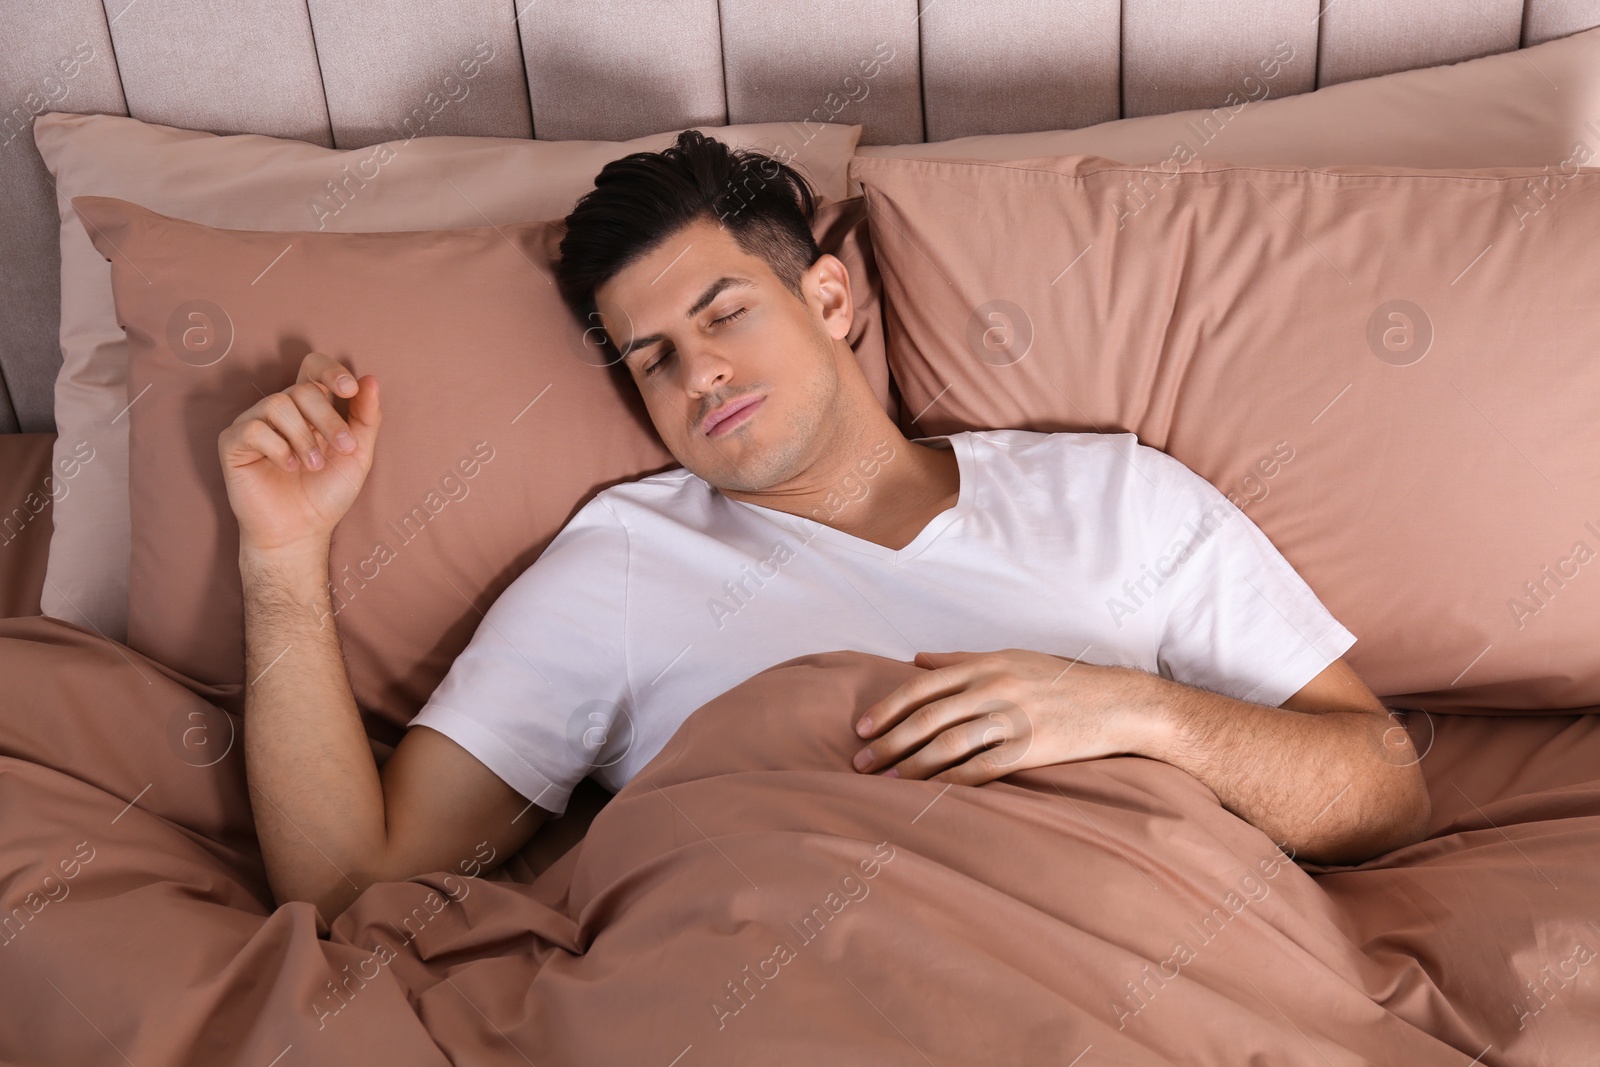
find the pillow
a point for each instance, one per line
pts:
(500, 422)
(268, 183)
(1524, 107)
(1391, 370)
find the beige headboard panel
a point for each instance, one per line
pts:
(349, 73)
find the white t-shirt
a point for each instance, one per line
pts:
(662, 593)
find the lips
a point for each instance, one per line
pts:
(726, 411)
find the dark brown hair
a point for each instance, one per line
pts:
(642, 199)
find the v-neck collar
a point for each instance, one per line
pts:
(808, 529)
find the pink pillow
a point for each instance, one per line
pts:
(499, 423)
(1391, 370)
(249, 181)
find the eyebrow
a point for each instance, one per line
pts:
(712, 291)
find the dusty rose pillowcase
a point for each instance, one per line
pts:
(1391, 371)
(249, 181)
(1530, 106)
(499, 423)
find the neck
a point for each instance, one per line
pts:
(920, 482)
(875, 484)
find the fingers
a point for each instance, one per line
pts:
(940, 681)
(323, 369)
(320, 377)
(923, 725)
(300, 408)
(282, 412)
(259, 437)
(318, 410)
(965, 752)
(251, 438)
(296, 428)
(981, 768)
(365, 414)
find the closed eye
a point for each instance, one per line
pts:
(651, 369)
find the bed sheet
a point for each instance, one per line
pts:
(27, 493)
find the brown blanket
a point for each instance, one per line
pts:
(29, 486)
(750, 899)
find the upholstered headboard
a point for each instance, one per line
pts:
(355, 72)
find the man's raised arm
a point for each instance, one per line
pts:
(329, 822)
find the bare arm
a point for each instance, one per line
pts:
(1328, 773)
(329, 822)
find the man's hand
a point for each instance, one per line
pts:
(1315, 776)
(292, 464)
(979, 716)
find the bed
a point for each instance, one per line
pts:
(747, 895)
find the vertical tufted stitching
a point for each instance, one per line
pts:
(322, 83)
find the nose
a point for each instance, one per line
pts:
(704, 367)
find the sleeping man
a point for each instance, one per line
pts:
(1072, 595)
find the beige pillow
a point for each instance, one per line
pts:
(1393, 372)
(1520, 108)
(268, 183)
(498, 423)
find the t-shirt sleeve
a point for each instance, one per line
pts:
(1240, 621)
(535, 694)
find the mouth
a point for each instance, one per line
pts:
(728, 416)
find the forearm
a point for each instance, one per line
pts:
(1315, 782)
(314, 785)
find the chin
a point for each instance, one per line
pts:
(745, 469)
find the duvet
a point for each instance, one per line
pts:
(748, 898)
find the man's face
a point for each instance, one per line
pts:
(701, 323)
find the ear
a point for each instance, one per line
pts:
(828, 279)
